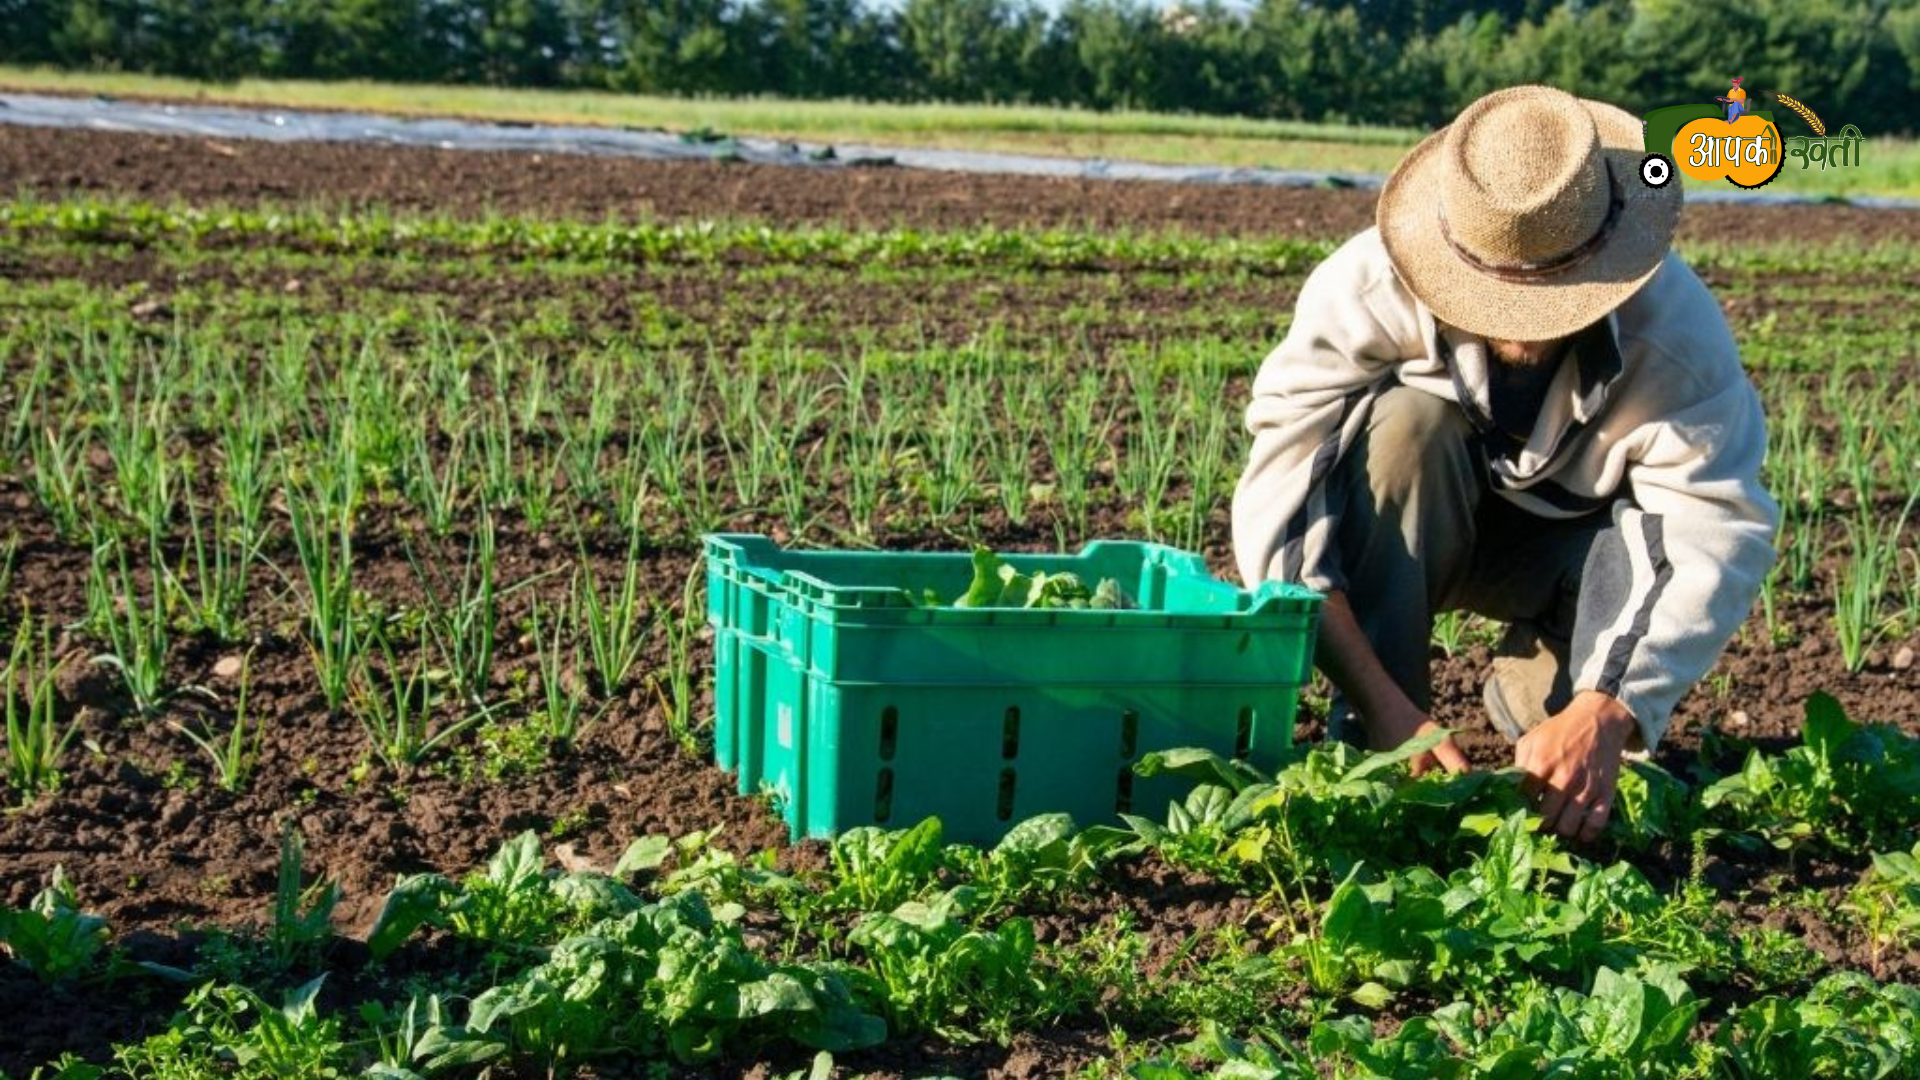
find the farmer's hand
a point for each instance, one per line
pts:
(1385, 733)
(1388, 715)
(1572, 762)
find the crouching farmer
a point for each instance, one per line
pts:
(1509, 397)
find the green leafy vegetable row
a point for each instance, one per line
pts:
(127, 221)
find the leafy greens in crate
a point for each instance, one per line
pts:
(998, 584)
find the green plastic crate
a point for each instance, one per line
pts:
(855, 705)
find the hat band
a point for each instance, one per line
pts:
(1533, 271)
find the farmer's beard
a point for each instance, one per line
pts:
(1528, 354)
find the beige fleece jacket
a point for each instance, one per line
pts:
(1666, 432)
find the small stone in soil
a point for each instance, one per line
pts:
(571, 860)
(228, 667)
(1903, 659)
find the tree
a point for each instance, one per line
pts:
(29, 36)
(95, 33)
(219, 40)
(1114, 45)
(973, 50)
(367, 39)
(1409, 20)
(1839, 56)
(827, 49)
(1325, 65)
(1903, 28)
(685, 47)
(505, 42)
(1207, 60)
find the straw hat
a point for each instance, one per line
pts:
(1526, 218)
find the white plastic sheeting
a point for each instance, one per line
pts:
(285, 125)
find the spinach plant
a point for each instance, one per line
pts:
(1039, 856)
(932, 972)
(1850, 787)
(1630, 1024)
(875, 868)
(510, 905)
(667, 978)
(1321, 815)
(228, 1030)
(1847, 1026)
(1887, 902)
(422, 1040)
(53, 938)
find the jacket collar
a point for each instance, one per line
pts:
(1597, 352)
(1597, 362)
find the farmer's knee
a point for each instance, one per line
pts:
(1419, 449)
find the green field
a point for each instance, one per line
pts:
(441, 482)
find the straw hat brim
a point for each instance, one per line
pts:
(1552, 306)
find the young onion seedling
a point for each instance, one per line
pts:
(395, 705)
(247, 472)
(213, 590)
(6, 565)
(302, 915)
(679, 628)
(137, 637)
(60, 481)
(561, 710)
(463, 630)
(323, 539)
(235, 753)
(1860, 585)
(35, 738)
(611, 623)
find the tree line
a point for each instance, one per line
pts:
(1398, 62)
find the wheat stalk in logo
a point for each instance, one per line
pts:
(1805, 113)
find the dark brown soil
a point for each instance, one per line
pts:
(156, 848)
(200, 170)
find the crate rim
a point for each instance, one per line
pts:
(1269, 598)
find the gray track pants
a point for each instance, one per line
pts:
(1421, 531)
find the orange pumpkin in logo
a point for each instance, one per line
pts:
(1748, 151)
